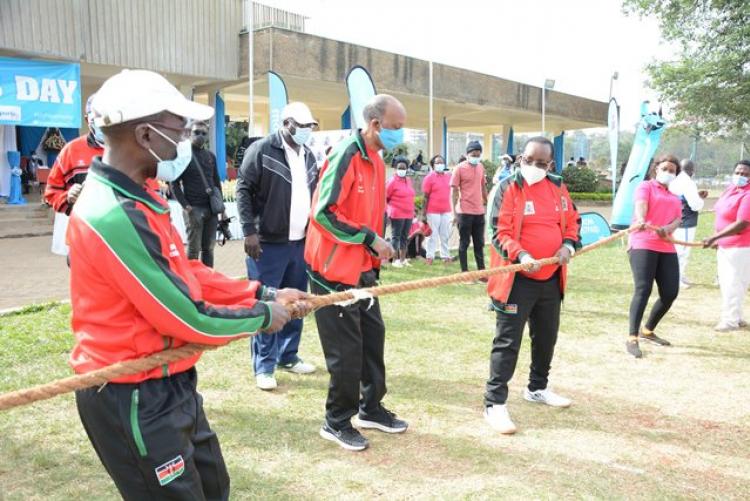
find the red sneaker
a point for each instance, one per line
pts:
(428, 260)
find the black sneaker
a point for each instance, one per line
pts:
(654, 339)
(349, 438)
(633, 348)
(385, 421)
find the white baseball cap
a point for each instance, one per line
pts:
(133, 94)
(299, 112)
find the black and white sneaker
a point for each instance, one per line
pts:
(349, 438)
(385, 420)
(632, 346)
(653, 338)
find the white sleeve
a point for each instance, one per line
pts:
(690, 192)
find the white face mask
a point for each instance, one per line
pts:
(532, 174)
(170, 170)
(401, 173)
(439, 167)
(665, 177)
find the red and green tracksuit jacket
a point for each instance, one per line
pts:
(510, 202)
(70, 168)
(348, 210)
(133, 290)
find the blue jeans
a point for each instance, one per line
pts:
(280, 266)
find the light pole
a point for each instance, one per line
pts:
(612, 79)
(548, 84)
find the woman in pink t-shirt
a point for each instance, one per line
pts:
(437, 193)
(732, 238)
(652, 256)
(399, 198)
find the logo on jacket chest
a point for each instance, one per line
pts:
(360, 183)
(528, 209)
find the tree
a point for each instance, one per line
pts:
(709, 83)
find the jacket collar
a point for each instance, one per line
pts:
(518, 178)
(361, 144)
(126, 186)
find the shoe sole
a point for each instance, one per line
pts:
(530, 399)
(333, 438)
(507, 431)
(372, 425)
(270, 388)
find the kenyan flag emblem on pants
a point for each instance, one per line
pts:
(170, 470)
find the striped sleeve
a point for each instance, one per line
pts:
(131, 258)
(335, 186)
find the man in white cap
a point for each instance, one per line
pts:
(274, 187)
(134, 292)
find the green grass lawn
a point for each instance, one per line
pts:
(671, 425)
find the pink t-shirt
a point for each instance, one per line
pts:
(399, 195)
(663, 208)
(437, 187)
(733, 205)
(470, 182)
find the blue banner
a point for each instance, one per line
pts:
(559, 143)
(277, 97)
(40, 93)
(647, 137)
(613, 125)
(221, 137)
(509, 146)
(361, 90)
(593, 228)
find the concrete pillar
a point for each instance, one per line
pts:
(437, 135)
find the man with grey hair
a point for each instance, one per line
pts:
(343, 251)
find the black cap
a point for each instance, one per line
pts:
(473, 145)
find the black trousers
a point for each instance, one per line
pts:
(539, 303)
(154, 440)
(648, 266)
(353, 341)
(471, 227)
(200, 225)
(400, 233)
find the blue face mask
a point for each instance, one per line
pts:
(391, 137)
(170, 170)
(302, 135)
(473, 160)
(740, 181)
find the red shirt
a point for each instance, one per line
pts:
(541, 235)
(733, 205)
(399, 195)
(663, 208)
(437, 187)
(70, 168)
(470, 182)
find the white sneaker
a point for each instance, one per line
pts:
(299, 367)
(498, 418)
(547, 397)
(406, 262)
(265, 382)
(397, 263)
(685, 285)
(722, 327)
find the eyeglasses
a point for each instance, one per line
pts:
(199, 132)
(538, 163)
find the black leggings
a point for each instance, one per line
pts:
(400, 233)
(648, 266)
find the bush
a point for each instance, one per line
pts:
(580, 179)
(591, 197)
(490, 168)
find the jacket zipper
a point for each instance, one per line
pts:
(330, 257)
(135, 426)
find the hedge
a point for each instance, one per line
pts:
(596, 197)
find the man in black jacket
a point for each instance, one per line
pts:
(191, 191)
(274, 188)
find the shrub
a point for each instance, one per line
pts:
(580, 179)
(591, 197)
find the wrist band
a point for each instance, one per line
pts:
(269, 294)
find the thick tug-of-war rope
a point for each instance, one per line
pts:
(101, 376)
